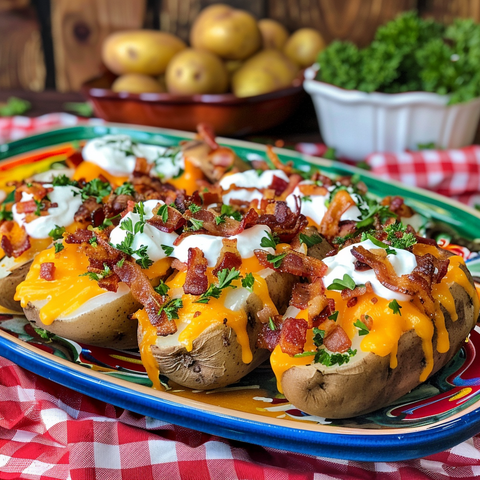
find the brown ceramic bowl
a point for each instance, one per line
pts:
(226, 113)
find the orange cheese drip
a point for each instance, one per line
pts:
(67, 292)
(159, 268)
(388, 327)
(89, 171)
(188, 179)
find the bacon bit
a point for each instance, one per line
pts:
(361, 267)
(327, 326)
(36, 189)
(196, 281)
(82, 235)
(229, 256)
(374, 300)
(426, 241)
(90, 211)
(311, 189)
(174, 221)
(178, 265)
(14, 245)
(207, 134)
(197, 314)
(142, 167)
(323, 179)
(358, 291)
(352, 302)
(341, 202)
(346, 227)
(337, 340)
(367, 320)
(213, 196)
(47, 271)
(268, 338)
(293, 335)
(278, 185)
(266, 313)
(109, 283)
(325, 313)
(310, 296)
(222, 157)
(295, 263)
(131, 274)
(398, 206)
(273, 157)
(415, 284)
(294, 180)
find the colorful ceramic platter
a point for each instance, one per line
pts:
(435, 416)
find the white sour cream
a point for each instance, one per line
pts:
(117, 155)
(151, 237)
(49, 175)
(251, 179)
(68, 199)
(313, 206)
(343, 263)
(247, 241)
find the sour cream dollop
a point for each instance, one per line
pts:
(343, 263)
(117, 155)
(68, 199)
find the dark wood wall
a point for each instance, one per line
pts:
(56, 44)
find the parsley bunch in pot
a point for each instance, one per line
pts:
(416, 84)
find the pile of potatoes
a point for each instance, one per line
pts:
(229, 51)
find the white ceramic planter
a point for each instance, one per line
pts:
(357, 123)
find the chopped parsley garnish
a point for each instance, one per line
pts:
(225, 279)
(171, 308)
(329, 359)
(38, 210)
(56, 233)
(97, 189)
(126, 245)
(395, 307)
(163, 212)
(64, 181)
(362, 328)
(168, 250)
(311, 240)
(271, 324)
(334, 316)
(107, 222)
(196, 224)
(228, 211)
(248, 281)
(270, 241)
(369, 210)
(144, 261)
(404, 241)
(5, 214)
(194, 208)
(125, 189)
(318, 336)
(139, 209)
(276, 260)
(339, 284)
(93, 241)
(162, 288)
(58, 247)
(306, 198)
(107, 271)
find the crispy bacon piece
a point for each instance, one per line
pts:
(47, 271)
(337, 340)
(273, 157)
(293, 335)
(196, 281)
(341, 202)
(142, 167)
(82, 235)
(415, 284)
(295, 263)
(266, 313)
(131, 274)
(278, 185)
(294, 180)
(229, 256)
(109, 283)
(312, 189)
(37, 189)
(90, 211)
(398, 206)
(358, 291)
(15, 240)
(178, 265)
(268, 338)
(309, 296)
(327, 326)
(175, 220)
(207, 134)
(328, 310)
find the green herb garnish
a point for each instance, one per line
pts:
(270, 241)
(395, 307)
(276, 260)
(248, 281)
(346, 282)
(171, 308)
(311, 240)
(362, 328)
(225, 279)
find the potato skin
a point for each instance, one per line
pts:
(107, 326)
(8, 285)
(368, 383)
(215, 360)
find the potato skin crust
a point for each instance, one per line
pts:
(215, 360)
(107, 326)
(368, 383)
(8, 285)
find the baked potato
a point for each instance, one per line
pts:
(11, 275)
(388, 345)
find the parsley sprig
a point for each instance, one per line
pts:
(225, 279)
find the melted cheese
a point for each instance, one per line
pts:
(188, 180)
(388, 327)
(89, 171)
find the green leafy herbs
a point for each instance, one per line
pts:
(398, 237)
(334, 316)
(5, 214)
(378, 243)
(167, 249)
(306, 198)
(310, 240)
(395, 307)
(14, 106)
(270, 241)
(196, 224)
(125, 189)
(276, 260)
(58, 247)
(108, 222)
(63, 181)
(228, 211)
(271, 324)
(248, 281)
(341, 284)
(162, 288)
(163, 213)
(194, 208)
(329, 359)
(97, 189)
(225, 279)
(39, 204)
(409, 54)
(56, 233)
(96, 276)
(171, 308)
(362, 328)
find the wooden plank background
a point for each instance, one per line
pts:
(57, 43)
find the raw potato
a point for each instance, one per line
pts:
(265, 72)
(274, 34)
(303, 46)
(9, 282)
(367, 382)
(193, 72)
(230, 33)
(215, 360)
(137, 83)
(108, 325)
(140, 51)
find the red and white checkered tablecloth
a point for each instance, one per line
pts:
(49, 432)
